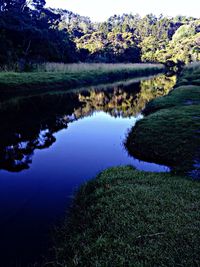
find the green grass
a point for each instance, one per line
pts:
(185, 95)
(170, 133)
(125, 217)
(190, 75)
(11, 82)
(129, 218)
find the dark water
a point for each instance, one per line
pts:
(51, 144)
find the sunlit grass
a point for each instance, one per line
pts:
(170, 133)
(64, 77)
(130, 218)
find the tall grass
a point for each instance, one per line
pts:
(79, 67)
(58, 76)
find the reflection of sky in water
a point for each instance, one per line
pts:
(34, 199)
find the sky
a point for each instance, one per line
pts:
(102, 9)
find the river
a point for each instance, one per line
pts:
(51, 144)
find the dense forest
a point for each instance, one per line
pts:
(31, 33)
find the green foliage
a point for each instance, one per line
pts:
(185, 45)
(71, 76)
(110, 47)
(183, 32)
(170, 133)
(27, 35)
(125, 216)
(124, 38)
(31, 33)
(131, 38)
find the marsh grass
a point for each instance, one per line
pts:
(65, 77)
(170, 133)
(129, 218)
(80, 67)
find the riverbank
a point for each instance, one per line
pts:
(68, 78)
(125, 216)
(169, 134)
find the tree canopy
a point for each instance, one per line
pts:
(30, 33)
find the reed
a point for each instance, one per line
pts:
(54, 76)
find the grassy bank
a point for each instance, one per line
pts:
(170, 133)
(63, 77)
(130, 218)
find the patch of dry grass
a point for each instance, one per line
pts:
(77, 67)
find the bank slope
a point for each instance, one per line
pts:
(170, 133)
(130, 218)
(85, 75)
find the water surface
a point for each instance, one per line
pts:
(50, 144)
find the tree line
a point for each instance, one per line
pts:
(30, 33)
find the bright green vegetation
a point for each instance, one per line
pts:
(184, 45)
(133, 38)
(71, 78)
(129, 218)
(31, 33)
(170, 133)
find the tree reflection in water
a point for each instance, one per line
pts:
(29, 123)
